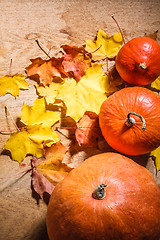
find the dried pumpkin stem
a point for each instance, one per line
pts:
(130, 121)
(143, 66)
(99, 192)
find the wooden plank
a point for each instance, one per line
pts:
(54, 23)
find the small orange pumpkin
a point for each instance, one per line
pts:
(107, 197)
(130, 120)
(138, 61)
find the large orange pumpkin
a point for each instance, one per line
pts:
(138, 61)
(107, 197)
(130, 120)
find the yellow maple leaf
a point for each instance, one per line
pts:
(108, 46)
(156, 84)
(49, 92)
(29, 141)
(53, 162)
(12, 84)
(37, 114)
(156, 154)
(86, 95)
(38, 133)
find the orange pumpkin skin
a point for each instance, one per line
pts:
(113, 113)
(129, 211)
(138, 61)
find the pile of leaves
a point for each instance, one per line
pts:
(70, 90)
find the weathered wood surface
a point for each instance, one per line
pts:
(54, 23)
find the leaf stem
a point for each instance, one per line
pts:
(119, 29)
(73, 127)
(42, 48)
(25, 171)
(8, 132)
(10, 68)
(94, 50)
(6, 110)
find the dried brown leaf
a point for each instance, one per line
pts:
(75, 61)
(49, 170)
(88, 130)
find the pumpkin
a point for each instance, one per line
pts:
(138, 61)
(107, 197)
(130, 120)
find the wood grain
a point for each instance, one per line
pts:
(54, 23)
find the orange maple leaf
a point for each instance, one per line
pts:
(75, 61)
(45, 70)
(49, 170)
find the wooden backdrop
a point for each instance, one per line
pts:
(54, 23)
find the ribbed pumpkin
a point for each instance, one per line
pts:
(130, 120)
(107, 197)
(138, 61)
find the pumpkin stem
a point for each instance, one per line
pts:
(130, 121)
(143, 66)
(99, 192)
